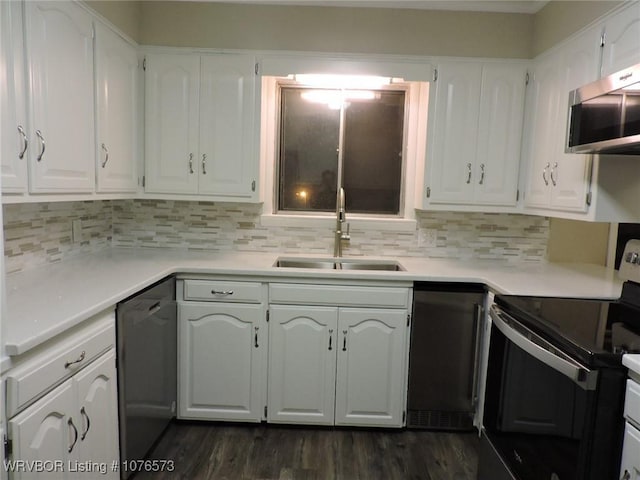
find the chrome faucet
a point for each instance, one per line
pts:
(340, 235)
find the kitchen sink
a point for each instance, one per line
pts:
(340, 264)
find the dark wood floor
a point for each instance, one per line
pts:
(268, 452)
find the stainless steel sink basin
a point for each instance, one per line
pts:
(340, 264)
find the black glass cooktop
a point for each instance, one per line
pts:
(595, 332)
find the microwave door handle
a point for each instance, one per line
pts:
(578, 374)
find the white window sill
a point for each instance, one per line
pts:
(329, 222)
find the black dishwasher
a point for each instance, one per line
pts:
(444, 355)
(146, 329)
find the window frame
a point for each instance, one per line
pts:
(292, 84)
(417, 96)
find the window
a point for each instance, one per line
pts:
(330, 137)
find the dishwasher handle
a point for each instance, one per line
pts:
(542, 350)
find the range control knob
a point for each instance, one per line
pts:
(632, 257)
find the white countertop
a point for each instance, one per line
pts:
(46, 301)
(632, 362)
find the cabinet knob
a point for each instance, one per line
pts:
(191, 163)
(481, 182)
(553, 170)
(468, 173)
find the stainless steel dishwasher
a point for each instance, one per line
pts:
(443, 357)
(146, 329)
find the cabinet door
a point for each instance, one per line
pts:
(541, 126)
(171, 126)
(302, 364)
(622, 40)
(499, 134)
(569, 174)
(454, 120)
(46, 431)
(117, 103)
(371, 370)
(630, 465)
(13, 126)
(97, 413)
(59, 39)
(220, 361)
(227, 102)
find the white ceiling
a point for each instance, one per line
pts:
(507, 6)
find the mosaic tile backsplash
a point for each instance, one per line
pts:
(223, 226)
(41, 233)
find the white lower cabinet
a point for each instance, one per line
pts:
(220, 361)
(342, 366)
(630, 467)
(302, 364)
(370, 371)
(75, 425)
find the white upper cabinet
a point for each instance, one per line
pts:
(59, 48)
(622, 40)
(117, 107)
(456, 104)
(13, 114)
(171, 125)
(200, 129)
(499, 134)
(371, 370)
(227, 105)
(557, 180)
(475, 129)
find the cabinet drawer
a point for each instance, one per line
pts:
(338, 295)
(222, 291)
(35, 376)
(632, 402)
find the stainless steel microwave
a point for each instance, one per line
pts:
(604, 116)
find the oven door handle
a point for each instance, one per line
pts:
(577, 373)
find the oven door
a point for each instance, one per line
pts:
(539, 406)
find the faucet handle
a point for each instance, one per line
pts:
(346, 236)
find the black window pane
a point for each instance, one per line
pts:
(373, 153)
(308, 153)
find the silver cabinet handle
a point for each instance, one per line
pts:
(204, 163)
(75, 432)
(25, 142)
(255, 336)
(330, 339)
(544, 174)
(106, 155)
(553, 169)
(344, 340)
(84, 414)
(191, 163)
(43, 146)
(221, 292)
(77, 360)
(481, 182)
(468, 173)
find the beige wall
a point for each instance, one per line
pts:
(574, 241)
(123, 14)
(560, 18)
(330, 29)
